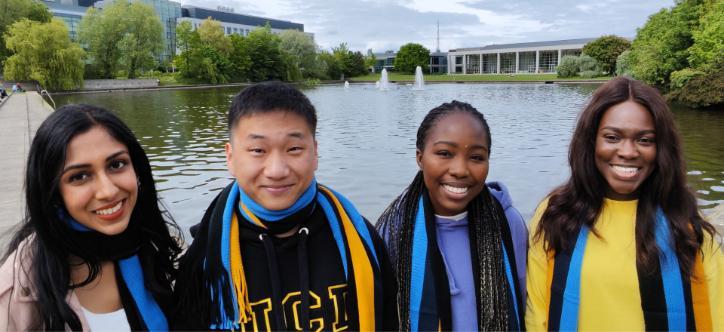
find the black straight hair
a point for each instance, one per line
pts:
(43, 237)
(268, 97)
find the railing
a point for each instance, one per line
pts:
(42, 92)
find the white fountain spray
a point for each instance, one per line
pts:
(384, 82)
(346, 84)
(419, 80)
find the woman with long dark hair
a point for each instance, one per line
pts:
(94, 251)
(458, 246)
(621, 245)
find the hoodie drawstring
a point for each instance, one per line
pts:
(304, 276)
(271, 259)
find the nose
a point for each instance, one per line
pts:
(628, 149)
(458, 167)
(106, 189)
(276, 167)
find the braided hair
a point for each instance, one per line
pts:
(396, 224)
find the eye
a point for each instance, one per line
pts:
(295, 149)
(117, 165)
(647, 140)
(78, 178)
(256, 151)
(444, 153)
(611, 138)
(478, 157)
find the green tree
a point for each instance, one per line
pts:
(212, 34)
(12, 11)
(186, 40)
(623, 64)
(661, 45)
(43, 52)
(568, 67)
(262, 47)
(370, 59)
(606, 50)
(333, 68)
(303, 52)
(410, 56)
(123, 33)
(708, 47)
(350, 63)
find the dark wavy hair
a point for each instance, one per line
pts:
(579, 201)
(50, 247)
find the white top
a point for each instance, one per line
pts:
(112, 321)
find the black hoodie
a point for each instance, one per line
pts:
(276, 270)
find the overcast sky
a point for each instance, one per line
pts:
(387, 24)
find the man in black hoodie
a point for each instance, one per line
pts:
(275, 250)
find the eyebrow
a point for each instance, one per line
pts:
(474, 146)
(76, 166)
(295, 134)
(647, 131)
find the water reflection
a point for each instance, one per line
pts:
(367, 139)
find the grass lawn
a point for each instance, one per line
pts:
(476, 78)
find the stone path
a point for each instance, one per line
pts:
(20, 117)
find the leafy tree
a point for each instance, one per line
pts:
(43, 52)
(240, 60)
(333, 67)
(606, 50)
(143, 41)
(262, 47)
(410, 56)
(350, 63)
(708, 47)
(212, 34)
(568, 67)
(12, 11)
(661, 45)
(587, 63)
(186, 40)
(303, 52)
(123, 33)
(623, 64)
(370, 59)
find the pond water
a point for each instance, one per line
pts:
(366, 139)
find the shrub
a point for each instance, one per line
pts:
(680, 77)
(589, 74)
(704, 90)
(623, 64)
(568, 67)
(587, 63)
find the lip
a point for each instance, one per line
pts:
(625, 172)
(277, 189)
(114, 215)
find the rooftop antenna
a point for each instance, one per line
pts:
(438, 37)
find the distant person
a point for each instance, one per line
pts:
(15, 88)
(458, 244)
(94, 251)
(622, 245)
(276, 250)
(3, 93)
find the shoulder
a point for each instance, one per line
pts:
(17, 294)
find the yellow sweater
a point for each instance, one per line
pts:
(610, 297)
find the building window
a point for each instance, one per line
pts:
(526, 62)
(472, 64)
(547, 62)
(507, 63)
(490, 63)
(570, 52)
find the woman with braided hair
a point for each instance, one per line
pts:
(621, 245)
(457, 245)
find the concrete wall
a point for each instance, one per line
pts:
(120, 84)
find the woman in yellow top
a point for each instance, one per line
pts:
(621, 245)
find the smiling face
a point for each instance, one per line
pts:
(98, 183)
(273, 157)
(625, 149)
(454, 162)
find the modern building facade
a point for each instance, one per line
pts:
(533, 58)
(69, 12)
(437, 64)
(233, 23)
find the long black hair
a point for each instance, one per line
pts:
(579, 201)
(44, 237)
(396, 225)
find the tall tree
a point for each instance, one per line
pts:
(410, 56)
(262, 47)
(44, 52)
(606, 50)
(303, 52)
(122, 33)
(12, 11)
(212, 34)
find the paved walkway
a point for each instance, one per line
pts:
(20, 117)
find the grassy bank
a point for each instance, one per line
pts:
(474, 78)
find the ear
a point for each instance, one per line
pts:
(316, 155)
(229, 158)
(418, 156)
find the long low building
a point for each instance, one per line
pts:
(533, 58)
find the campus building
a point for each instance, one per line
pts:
(437, 64)
(535, 57)
(233, 23)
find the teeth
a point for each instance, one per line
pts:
(111, 210)
(455, 190)
(625, 170)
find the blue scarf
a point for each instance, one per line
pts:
(677, 294)
(133, 278)
(350, 233)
